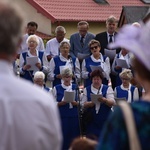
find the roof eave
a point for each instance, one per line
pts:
(42, 10)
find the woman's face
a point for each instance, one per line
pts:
(64, 49)
(96, 81)
(125, 81)
(39, 82)
(95, 49)
(67, 79)
(124, 52)
(32, 44)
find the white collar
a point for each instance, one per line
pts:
(63, 58)
(98, 60)
(68, 88)
(95, 91)
(123, 88)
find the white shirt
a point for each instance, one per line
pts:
(29, 118)
(24, 45)
(109, 95)
(52, 47)
(68, 64)
(127, 57)
(135, 93)
(44, 59)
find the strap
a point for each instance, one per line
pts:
(130, 125)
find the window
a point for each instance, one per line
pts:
(101, 1)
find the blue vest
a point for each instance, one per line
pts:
(29, 74)
(104, 109)
(59, 63)
(64, 110)
(124, 93)
(89, 62)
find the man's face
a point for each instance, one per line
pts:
(31, 30)
(111, 27)
(83, 29)
(60, 36)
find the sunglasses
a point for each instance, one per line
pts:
(94, 47)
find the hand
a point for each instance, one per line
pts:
(117, 67)
(88, 104)
(59, 76)
(38, 65)
(102, 99)
(26, 67)
(62, 103)
(74, 103)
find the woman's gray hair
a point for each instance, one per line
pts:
(60, 28)
(126, 73)
(66, 72)
(64, 42)
(39, 74)
(34, 38)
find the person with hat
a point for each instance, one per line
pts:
(117, 133)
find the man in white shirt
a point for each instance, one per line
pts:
(52, 46)
(31, 29)
(29, 117)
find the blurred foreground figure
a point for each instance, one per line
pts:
(29, 118)
(83, 144)
(115, 134)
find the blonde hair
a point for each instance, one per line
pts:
(111, 19)
(126, 73)
(66, 72)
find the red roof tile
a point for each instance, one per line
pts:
(43, 35)
(76, 10)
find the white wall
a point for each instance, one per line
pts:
(31, 14)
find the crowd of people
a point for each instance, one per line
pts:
(61, 117)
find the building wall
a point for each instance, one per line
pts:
(45, 26)
(31, 14)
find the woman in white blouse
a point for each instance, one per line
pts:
(126, 90)
(68, 109)
(59, 62)
(117, 68)
(96, 59)
(96, 111)
(37, 62)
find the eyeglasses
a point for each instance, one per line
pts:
(94, 47)
(125, 79)
(32, 42)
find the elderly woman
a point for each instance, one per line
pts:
(63, 60)
(27, 71)
(68, 110)
(116, 69)
(39, 79)
(96, 59)
(100, 109)
(126, 90)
